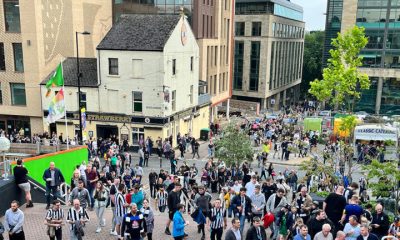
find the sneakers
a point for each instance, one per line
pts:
(29, 204)
(98, 230)
(114, 233)
(167, 231)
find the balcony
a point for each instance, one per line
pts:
(204, 98)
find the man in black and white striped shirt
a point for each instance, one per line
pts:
(217, 220)
(75, 214)
(120, 208)
(54, 220)
(162, 198)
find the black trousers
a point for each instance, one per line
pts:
(216, 233)
(17, 236)
(58, 234)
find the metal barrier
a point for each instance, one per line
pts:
(36, 186)
(187, 203)
(5, 167)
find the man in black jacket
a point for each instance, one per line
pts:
(380, 222)
(234, 232)
(315, 224)
(174, 198)
(53, 178)
(241, 205)
(256, 232)
(365, 235)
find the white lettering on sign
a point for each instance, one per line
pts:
(375, 131)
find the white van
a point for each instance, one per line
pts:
(378, 132)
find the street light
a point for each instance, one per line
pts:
(78, 75)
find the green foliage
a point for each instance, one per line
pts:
(342, 81)
(348, 124)
(234, 146)
(312, 58)
(323, 194)
(317, 168)
(383, 178)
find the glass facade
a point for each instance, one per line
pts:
(286, 12)
(254, 66)
(332, 26)
(245, 8)
(238, 66)
(152, 7)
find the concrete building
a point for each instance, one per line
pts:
(212, 25)
(34, 37)
(381, 55)
(269, 45)
(146, 84)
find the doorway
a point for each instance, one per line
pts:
(106, 131)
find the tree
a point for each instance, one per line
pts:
(348, 125)
(342, 82)
(383, 179)
(312, 58)
(234, 146)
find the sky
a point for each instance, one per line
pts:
(313, 13)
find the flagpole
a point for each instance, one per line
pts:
(65, 108)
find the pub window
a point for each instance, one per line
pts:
(113, 66)
(137, 101)
(137, 135)
(18, 96)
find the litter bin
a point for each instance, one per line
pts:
(204, 133)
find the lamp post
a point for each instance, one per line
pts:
(78, 75)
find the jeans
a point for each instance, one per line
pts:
(242, 219)
(91, 190)
(113, 219)
(216, 234)
(52, 190)
(99, 213)
(210, 152)
(230, 211)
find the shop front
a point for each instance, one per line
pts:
(16, 124)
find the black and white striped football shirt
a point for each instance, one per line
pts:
(55, 214)
(217, 217)
(120, 209)
(162, 198)
(74, 215)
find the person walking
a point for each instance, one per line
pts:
(92, 177)
(120, 208)
(196, 146)
(21, 179)
(202, 201)
(241, 205)
(217, 220)
(77, 217)
(14, 220)
(234, 232)
(113, 192)
(174, 199)
(133, 224)
(161, 199)
(256, 231)
(178, 230)
(54, 221)
(148, 215)
(80, 193)
(53, 178)
(100, 196)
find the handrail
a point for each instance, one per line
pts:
(187, 202)
(36, 186)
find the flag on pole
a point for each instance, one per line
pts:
(56, 107)
(57, 80)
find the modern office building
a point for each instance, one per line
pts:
(381, 20)
(212, 25)
(269, 45)
(332, 26)
(34, 37)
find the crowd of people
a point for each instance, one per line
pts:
(258, 202)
